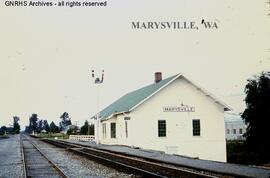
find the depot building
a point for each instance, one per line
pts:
(172, 115)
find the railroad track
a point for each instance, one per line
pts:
(135, 165)
(36, 163)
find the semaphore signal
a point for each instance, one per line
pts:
(97, 80)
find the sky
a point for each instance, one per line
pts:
(47, 53)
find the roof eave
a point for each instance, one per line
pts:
(207, 93)
(112, 115)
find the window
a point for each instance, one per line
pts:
(228, 131)
(126, 128)
(113, 130)
(240, 131)
(234, 131)
(127, 118)
(161, 128)
(104, 130)
(196, 127)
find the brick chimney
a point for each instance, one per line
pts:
(158, 77)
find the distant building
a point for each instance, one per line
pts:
(172, 115)
(43, 131)
(69, 127)
(235, 127)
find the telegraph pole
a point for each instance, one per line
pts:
(98, 81)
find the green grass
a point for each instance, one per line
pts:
(238, 153)
(53, 135)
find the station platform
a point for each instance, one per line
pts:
(220, 167)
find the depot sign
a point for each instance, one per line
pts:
(178, 109)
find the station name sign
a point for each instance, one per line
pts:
(178, 109)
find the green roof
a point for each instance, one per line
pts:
(128, 101)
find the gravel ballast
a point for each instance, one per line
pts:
(10, 157)
(77, 166)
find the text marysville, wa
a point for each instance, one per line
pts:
(173, 25)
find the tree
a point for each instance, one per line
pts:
(3, 130)
(46, 126)
(16, 126)
(85, 128)
(66, 121)
(27, 129)
(33, 123)
(91, 129)
(257, 116)
(54, 128)
(39, 126)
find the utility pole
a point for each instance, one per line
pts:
(98, 81)
(76, 123)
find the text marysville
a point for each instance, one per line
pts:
(164, 25)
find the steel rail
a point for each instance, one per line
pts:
(202, 172)
(54, 165)
(23, 158)
(108, 156)
(122, 165)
